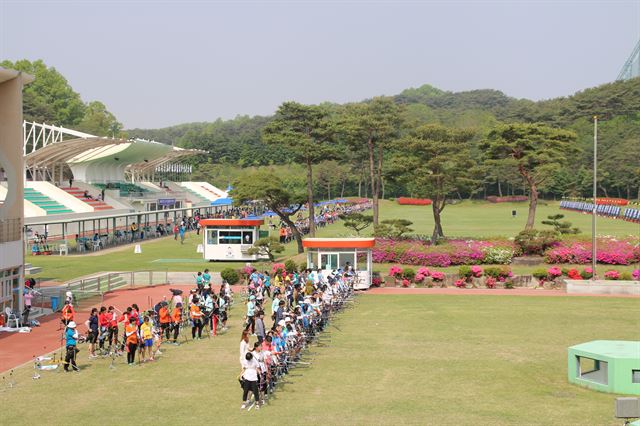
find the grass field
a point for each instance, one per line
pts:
(468, 219)
(438, 360)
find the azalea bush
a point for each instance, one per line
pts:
(395, 271)
(437, 276)
(612, 275)
(278, 268)
(574, 274)
(636, 274)
(376, 281)
(490, 282)
(586, 274)
(610, 251)
(450, 252)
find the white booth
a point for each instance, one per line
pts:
(230, 239)
(335, 253)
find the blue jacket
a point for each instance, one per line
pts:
(70, 336)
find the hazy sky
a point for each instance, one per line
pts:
(156, 64)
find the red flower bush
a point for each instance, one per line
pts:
(574, 274)
(414, 201)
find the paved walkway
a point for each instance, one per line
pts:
(487, 292)
(19, 348)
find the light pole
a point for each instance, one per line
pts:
(595, 204)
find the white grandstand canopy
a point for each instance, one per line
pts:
(93, 158)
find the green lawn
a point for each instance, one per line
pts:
(467, 219)
(440, 360)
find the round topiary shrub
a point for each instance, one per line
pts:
(230, 275)
(409, 274)
(290, 266)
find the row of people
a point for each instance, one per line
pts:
(280, 347)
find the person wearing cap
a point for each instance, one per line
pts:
(251, 308)
(71, 340)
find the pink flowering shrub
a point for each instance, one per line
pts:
(405, 282)
(612, 275)
(460, 283)
(424, 271)
(610, 251)
(451, 252)
(437, 276)
(277, 268)
(419, 278)
(586, 273)
(636, 274)
(490, 282)
(554, 272)
(395, 271)
(476, 271)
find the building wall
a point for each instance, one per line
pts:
(12, 210)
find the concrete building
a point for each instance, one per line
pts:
(11, 209)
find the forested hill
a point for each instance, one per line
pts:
(238, 142)
(469, 109)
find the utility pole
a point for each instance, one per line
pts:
(594, 260)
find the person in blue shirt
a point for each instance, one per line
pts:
(182, 231)
(206, 277)
(199, 281)
(71, 340)
(266, 280)
(251, 308)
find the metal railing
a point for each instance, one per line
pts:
(89, 291)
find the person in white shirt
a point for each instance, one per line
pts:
(244, 345)
(250, 368)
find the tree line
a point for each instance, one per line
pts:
(421, 142)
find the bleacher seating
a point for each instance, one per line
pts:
(47, 204)
(125, 188)
(96, 204)
(612, 211)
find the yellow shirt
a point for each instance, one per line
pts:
(145, 329)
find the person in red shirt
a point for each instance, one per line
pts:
(165, 321)
(68, 314)
(103, 326)
(112, 324)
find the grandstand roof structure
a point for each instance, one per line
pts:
(93, 158)
(631, 68)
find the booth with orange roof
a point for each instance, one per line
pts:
(331, 254)
(230, 239)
